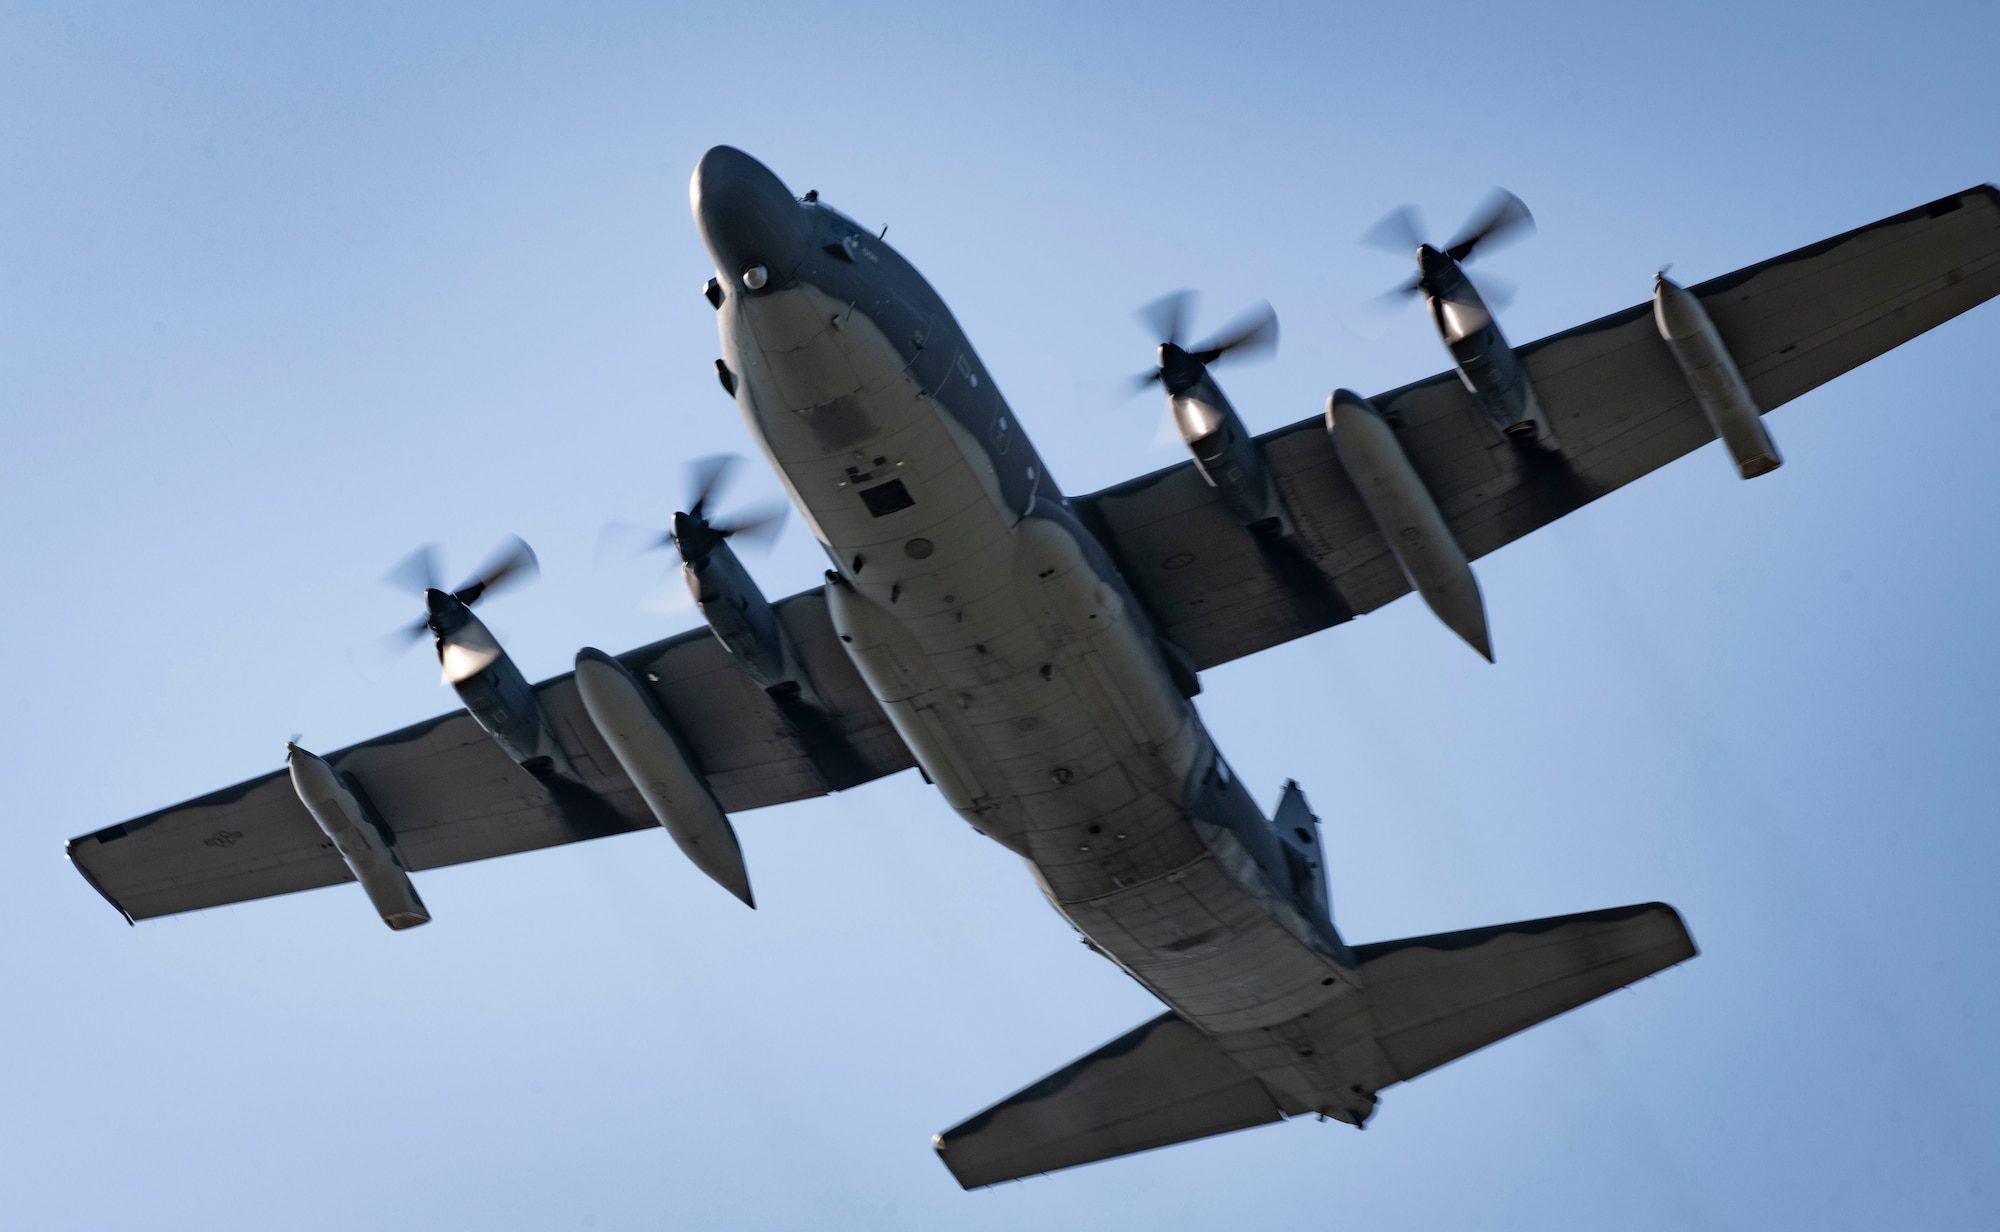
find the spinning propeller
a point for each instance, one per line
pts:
(1253, 333)
(695, 532)
(464, 646)
(1501, 219)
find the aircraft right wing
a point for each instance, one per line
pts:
(449, 794)
(1620, 407)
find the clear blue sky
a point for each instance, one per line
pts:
(283, 295)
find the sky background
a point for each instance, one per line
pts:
(285, 294)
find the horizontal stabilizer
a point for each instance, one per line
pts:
(1162, 1083)
(1422, 1002)
(1434, 999)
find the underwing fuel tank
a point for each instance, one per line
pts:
(651, 753)
(1407, 516)
(1711, 373)
(358, 837)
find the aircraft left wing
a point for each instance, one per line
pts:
(1620, 407)
(449, 794)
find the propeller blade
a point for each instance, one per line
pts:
(623, 539)
(1501, 218)
(1166, 316)
(417, 573)
(1143, 382)
(707, 477)
(1253, 332)
(512, 560)
(1396, 298)
(1498, 292)
(1401, 231)
(390, 647)
(760, 526)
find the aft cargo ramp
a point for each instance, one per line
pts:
(1427, 1000)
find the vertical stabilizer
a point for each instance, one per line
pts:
(1305, 860)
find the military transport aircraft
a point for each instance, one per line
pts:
(1034, 654)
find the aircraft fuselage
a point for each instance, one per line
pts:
(993, 627)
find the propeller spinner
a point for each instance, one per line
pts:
(1180, 367)
(694, 531)
(1500, 219)
(465, 647)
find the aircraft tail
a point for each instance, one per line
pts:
(1424, 1001)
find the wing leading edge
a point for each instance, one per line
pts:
(450, 795)
(1620, 406)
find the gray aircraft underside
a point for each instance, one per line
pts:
(1036, 655)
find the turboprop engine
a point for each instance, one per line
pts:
(494, 691)
(729, 599)
(734, 607)
(1224, 451)
(1491, 371)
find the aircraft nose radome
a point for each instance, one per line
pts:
(746, 216)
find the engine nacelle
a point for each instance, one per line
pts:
(654, 757)
(1224, 452)
(1487, 366)
(1227, 456)
(495, 693)
(1712, 374)
(1408, 516)
(359, 837)
(737, 611)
